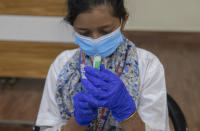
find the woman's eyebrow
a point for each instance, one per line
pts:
(106, 26)
(100, 27)
(80, 28)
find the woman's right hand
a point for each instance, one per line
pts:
(84, 114)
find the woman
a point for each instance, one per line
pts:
(128, 89)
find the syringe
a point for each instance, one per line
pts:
(96, 65)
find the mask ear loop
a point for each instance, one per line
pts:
(121, 21)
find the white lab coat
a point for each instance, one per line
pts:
(152, 106)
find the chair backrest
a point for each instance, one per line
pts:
(176, 115)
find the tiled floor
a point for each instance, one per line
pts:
(20, 102)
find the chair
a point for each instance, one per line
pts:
(176, 115)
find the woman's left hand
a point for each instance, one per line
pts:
(107, 90)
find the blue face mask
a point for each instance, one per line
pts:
(103, 46)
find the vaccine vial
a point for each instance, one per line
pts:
(97, 62)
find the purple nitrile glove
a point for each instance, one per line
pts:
(107, 90)
(83, 112)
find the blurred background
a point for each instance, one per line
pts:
(33, 33)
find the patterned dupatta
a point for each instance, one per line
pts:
(124, 60)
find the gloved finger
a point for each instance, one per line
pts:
(89, 86)
(79, 100)
(94, 102)
(97, 73)
(81, 111)
(97, 82)
(100, 93)
(84, 97)
(81, 97)
(92, 89)
(102, 67)
(76, 98)
(82, 105)
(91, 99)
(84, 119)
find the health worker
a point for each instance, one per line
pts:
(126, 92)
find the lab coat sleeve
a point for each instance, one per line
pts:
(152, 106)
(49, 115)
(49, 118)
(53, 128)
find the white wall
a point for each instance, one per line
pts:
(156, 15)
(164, 15)
(35, 28)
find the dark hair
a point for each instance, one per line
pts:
(75, 7)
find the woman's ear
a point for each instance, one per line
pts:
(124, 20)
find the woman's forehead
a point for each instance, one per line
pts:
(97, 17)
